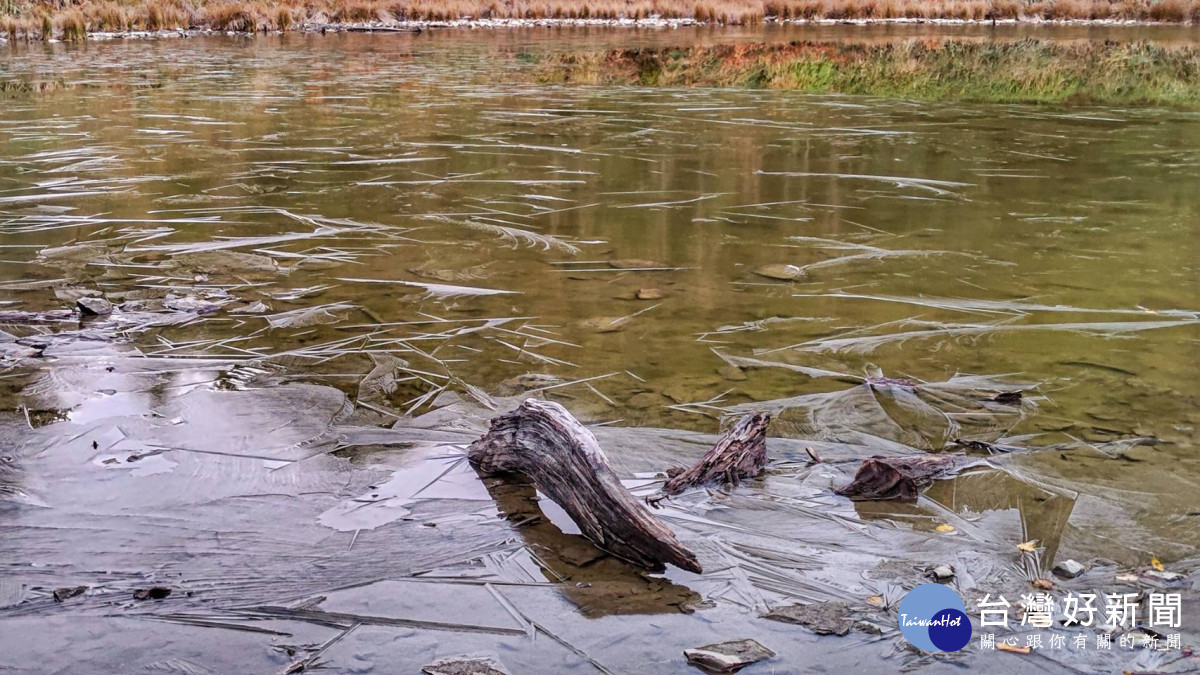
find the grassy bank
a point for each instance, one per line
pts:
(1026, 71)
(21, 19)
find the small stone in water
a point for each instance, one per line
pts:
(645, 400)
(780, 272)
(727, 657)
(822, 618)
(94, 306)
(462, 665)
(732, 373)
(868, 628)
(1167, 577)
(649, 294)
(520, 384)
(943, 572)
(62, 594)
(605, 324)
(152, 593)
(1068, 569)
(631, 263)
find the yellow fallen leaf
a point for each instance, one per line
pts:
(1005, 647)
(1157, 564)
(944, 528)
(876, 600)
(1029, 546)
(1044, 584)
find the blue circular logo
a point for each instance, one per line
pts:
(933, 618)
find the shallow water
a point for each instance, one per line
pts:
(415, 197)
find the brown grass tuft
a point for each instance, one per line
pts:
(11, 27)
(165, 15)
(107, 16)
(359, 11)
(1173, 11)
(230, 16)
(284, 18)
(73, 26)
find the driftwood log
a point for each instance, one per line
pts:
(900, 477)
(561, 457)
(740, 453)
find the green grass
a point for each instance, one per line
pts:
(1028, 71)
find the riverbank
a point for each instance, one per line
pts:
(37, 21)
(992, 67)
(1026, 71)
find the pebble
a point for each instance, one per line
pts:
(1069, 569)
(1167, 577)
(464, 665)
(943, 572)
(780, 272)
(94, 306)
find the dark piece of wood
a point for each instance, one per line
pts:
(543, 441)
(740, 453)
(899, 477)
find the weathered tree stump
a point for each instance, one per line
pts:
(740, 453)
(544, 442)
(903, 478)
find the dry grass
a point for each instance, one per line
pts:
(30, 19)
(72, 26)
(11, 27)
(230, 16)
(164, 15)
(107, 16)
(359, 11)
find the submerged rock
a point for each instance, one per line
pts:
(519, 384)
(605, 324)
(645, 401)
(780, 272)
(193, 304)
(224, 262)
(732, 373)
(822, 618)
(464, 665)
(727, 657)
(633, 263)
